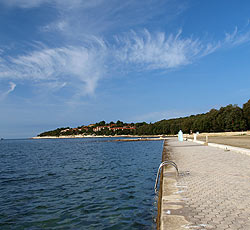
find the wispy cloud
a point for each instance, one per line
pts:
(60, 25)
(60, 3)
(159, 50)
(24, 3)
(78, 18)
(237, 37)
(83, 66)
(12, 87)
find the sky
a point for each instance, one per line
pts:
(76, 62)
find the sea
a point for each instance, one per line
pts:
(87, 183)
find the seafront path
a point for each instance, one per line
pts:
(212, 190)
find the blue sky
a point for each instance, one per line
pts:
(71, 63)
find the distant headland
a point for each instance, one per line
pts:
(231, 118)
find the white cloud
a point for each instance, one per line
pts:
(12, 87)
(237, 37)
(154, 51)
(59, 3)
(78, 18)
(81, 66)
(229, 38)
(60, 25)
(53, 85)
(24, 3)
(160, 51)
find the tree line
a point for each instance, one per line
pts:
(225, 119)
(109, 129)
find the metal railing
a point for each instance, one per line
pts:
(161, 165)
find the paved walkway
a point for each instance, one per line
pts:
(212, 191)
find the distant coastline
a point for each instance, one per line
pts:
(98, 136)
(231, 118)
(242, 133)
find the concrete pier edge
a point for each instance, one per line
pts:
(169, 201)
(159, 206)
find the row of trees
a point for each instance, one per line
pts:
(229, 118)
(226, 119)
(89, 130)
(55, 132)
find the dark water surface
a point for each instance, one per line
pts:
(78, 184)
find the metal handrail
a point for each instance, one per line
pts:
(159, 169)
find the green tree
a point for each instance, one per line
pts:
(246, 113)
(101, 123)
(119, 123)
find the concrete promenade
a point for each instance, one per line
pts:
(211, 192)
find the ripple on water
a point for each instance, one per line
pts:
(77, 184)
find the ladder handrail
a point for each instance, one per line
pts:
(167, 162)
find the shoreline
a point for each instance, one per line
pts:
(101, 136)
(188, 136)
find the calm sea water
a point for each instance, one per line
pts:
(78, 184)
